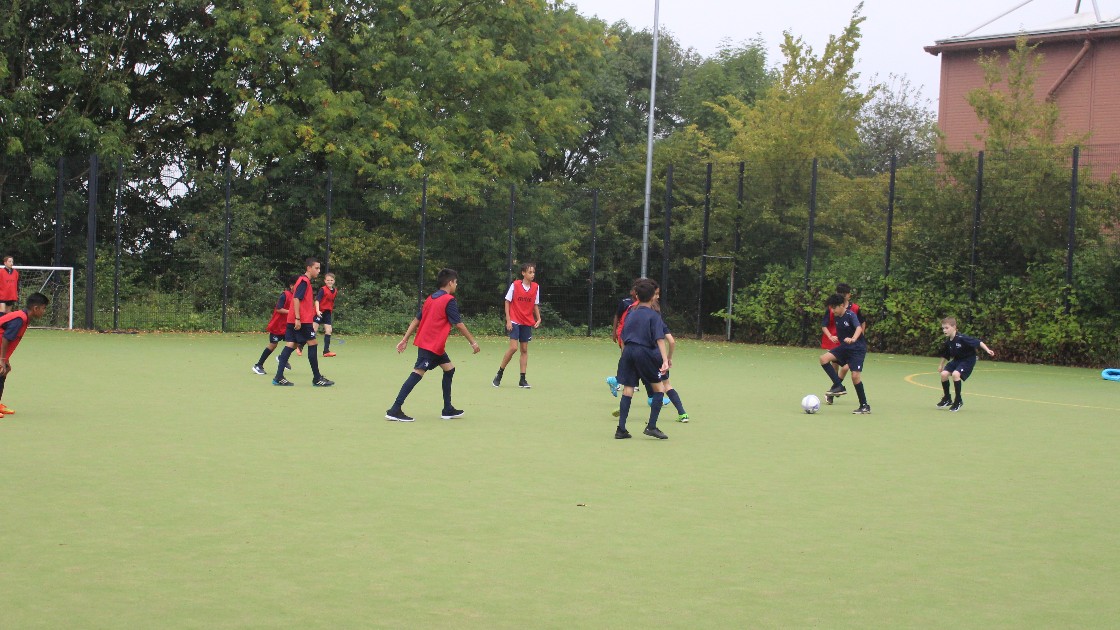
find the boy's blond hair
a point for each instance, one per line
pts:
(952, 321)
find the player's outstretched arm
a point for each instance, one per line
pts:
(985, 347)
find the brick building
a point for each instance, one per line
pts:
(1080, 72)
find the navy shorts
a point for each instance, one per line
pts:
(639, 363)
(325, 318)
(851, 356)
(964, 366)
(275, 338)
(305, 333)
(426, 359)
(521, 332)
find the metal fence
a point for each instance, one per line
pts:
(207, 249)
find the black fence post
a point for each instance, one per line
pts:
(974, 257)
(740, 197)
(667, 242)
(59, 196)
(225, 248)
(591, 271)
(330, 207)
(509, 248)
(809, 246)
(1072, 227)
(423, 239)
(704, 253)
(91, 242)
(890, 238)
(117, 252)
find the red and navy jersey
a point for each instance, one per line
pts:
(279, 322)
(306, 298)
(9, 284)
(325, 298)
(13, 325)
(829, 322)
(522, 302)
(439, 313)
(622, 320)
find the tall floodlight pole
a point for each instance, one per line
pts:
(649, 139)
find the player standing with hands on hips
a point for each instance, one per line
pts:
(523, 314)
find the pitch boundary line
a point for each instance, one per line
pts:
(910, 379)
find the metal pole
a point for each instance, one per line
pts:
(509, 248)
(330, 206)
(225, 248)
(890, 225)
(730, 298)
(666, 249)
(117, 253)
(649, 137)
(59, 195)
(423, 238)
(974, 259)
(1070, 241)
(91, 242)
(591, 271)
(704, 253)
(809, 246)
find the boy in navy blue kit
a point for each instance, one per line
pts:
(643, 358)
(958, 357)
(851, 352)
(432, 325)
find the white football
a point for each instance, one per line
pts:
(811, 404)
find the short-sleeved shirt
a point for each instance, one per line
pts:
(643, 327)
(325, 297)
(623, 304)
(829, 323)
(279, 322)
(438, 314)
(846, 326)
(522, 302)
(306, 298)
(13, 325)
(960, 347)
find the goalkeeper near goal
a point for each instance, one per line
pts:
(12, 327)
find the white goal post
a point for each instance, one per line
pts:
(57, 283)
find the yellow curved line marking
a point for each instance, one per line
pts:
(910, 379)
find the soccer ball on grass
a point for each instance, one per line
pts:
(811, 404)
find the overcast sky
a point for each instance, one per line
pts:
(893, 34)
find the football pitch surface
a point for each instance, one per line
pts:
(153, 481)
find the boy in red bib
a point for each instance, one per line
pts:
(278, 325)
(523, 314)
(9, 285)
(12, 327)
(432, 325)
(324, 304)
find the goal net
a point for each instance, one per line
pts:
(57, 283)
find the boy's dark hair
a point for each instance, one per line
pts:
(445, 276)
(310, 260)
(292, 279)
(37, 299)
(844, 288)
(645, 289)
(835, 300)
(526, 265)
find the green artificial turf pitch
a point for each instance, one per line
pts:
(153, 481)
